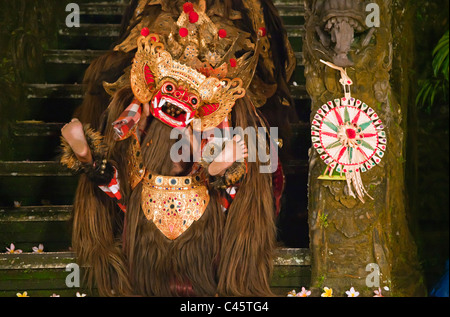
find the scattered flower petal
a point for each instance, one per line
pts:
(292, 293)
(328, 292)
(39, 249)
(304, 293)
(24, 294)
(378, 292)
(12, 249)
(352, 292)
(81, 295)
(55, 295)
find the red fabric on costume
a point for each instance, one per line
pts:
(127, 120)
(113, 189)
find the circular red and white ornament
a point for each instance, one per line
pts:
(350, 138)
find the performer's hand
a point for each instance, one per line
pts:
(74, 135)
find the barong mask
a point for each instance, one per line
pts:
(200, 79)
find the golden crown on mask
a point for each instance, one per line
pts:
(217, 62)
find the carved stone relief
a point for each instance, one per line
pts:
(345, 234)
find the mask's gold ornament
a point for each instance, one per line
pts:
(173, 203)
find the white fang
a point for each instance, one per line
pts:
(187, 118)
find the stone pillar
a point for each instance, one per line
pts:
(347, 235)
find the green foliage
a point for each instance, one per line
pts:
(6, 71)
(320, 280)
(323, 220)
(435, 89)
(440, 61)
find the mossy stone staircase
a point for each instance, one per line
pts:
(36, 192)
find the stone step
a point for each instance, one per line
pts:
(102, 9)
(285, 8)
(36, 128)
(53, 168)
(91, 30)
(75, 62)
(48, 182)
(33, 183)
(35, 213)
(116, 7)
(44, 274)
(290, 8)
(295, 31)
(75, 91)
(33, 169)
(299, 57)
(85, 57)
(40, 275)
(56, 91)
(30, 226)
(298, 91)
(112, 30)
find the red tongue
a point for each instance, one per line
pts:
(181, 117)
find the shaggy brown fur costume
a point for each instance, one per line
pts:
(226, 254)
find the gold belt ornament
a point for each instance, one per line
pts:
(173, 203)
